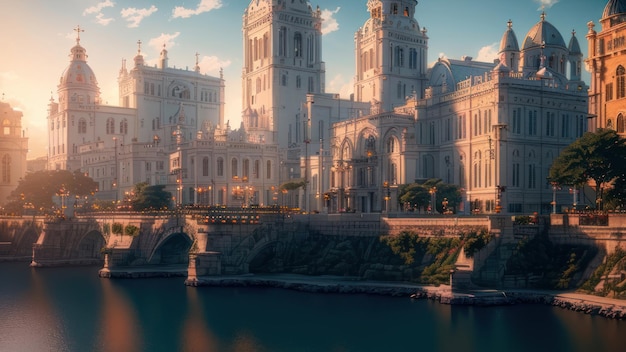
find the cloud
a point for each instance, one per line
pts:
(135, 15)
(103, 21)
(164, 39)
(212, 65)
(329, 23)
(546, 3)
(340, 84)
(488, 53)
(98, 8)
(203, 6)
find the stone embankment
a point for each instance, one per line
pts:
(592, 305)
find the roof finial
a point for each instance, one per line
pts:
(509, 24)
(197, 55)
(78, 30)
(139, 47)
(543, 13)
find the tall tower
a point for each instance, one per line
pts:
(605, 62)
(391, 55)
(13, 149)
(79, 98)
(282, 42)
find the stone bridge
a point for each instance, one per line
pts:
(137, 245)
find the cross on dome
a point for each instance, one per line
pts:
(78, 30)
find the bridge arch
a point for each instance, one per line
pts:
(261, 254)
(90, 245)
(173, 248)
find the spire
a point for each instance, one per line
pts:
(78, 30)
(197, 68)
(163, 59)
(139, 57)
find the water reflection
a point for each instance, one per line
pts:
(196, 335)
(119, 326)
(71, 309)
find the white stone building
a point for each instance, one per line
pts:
(491, 128)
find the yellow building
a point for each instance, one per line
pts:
(607, 63)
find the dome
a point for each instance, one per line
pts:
(79, 72)
(509, 40)
(543, 33)
(614, 7)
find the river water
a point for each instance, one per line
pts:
(71, 309)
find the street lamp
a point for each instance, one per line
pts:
(433, 198)
(387, 195)
(555, 187)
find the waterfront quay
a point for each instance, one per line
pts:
(225, 248)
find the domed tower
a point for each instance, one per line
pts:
(614, 13)
(605, 62)
(509, 49)
(73, 118)
(13, 149)
(78, 84)
(544, 47)
(391, 54)
(282, 42)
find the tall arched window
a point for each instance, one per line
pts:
(82, 126)
(220, 167)
(282, 41)
(234, 170)
(6, 168)
(297, 44)
(110, 126)
(256, 169)
(246, 168)
(205, 166)
(620, 123)
(621, 82)
(124, 127)
(269, 169)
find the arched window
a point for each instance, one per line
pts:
(110, 126)
(246, 169)
(6, 168)
(269, 169)
(282, 41)
(220, 167)
(234, 171)
(205, 166)
(256, 169)
(620, 123)
(297, 44)
(82, 126)
(621, 82)
(124, 127)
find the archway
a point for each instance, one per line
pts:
(90, 246)
(173, 250)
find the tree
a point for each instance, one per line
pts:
(38, 188)
(420, 195)
(145, 197)
(595, 156)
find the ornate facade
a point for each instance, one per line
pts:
(491, 128)
(605, 61)
(13, 149)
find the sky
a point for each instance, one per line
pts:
(37, 36)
